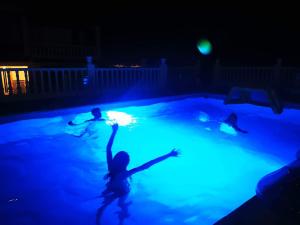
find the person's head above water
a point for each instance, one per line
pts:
(120, 162)
(232, 118)
(96, 112)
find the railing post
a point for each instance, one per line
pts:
(163, 70)
(26, 74)
(10, 89)
(91, 72)
(1, 83)
(19, 90)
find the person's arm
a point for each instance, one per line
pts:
(75, 124)
(109, 146)
(240, 130)
(173, 153)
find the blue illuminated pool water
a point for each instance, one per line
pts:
(50, 176)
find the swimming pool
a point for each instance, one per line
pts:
(50, 176)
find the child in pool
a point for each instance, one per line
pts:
(232, 121)
(96, 112)
(118, 185)
(229, 125)
(80, 129)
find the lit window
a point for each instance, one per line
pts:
(6, 74)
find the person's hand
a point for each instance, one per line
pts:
(115, 127)
(174, 153)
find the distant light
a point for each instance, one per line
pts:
(228, 129)
(119, 65)
(204, 46)
(123, 119)
(135, 66)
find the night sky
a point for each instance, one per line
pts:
(244, 33)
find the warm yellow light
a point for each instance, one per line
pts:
(13, 78)
(13, 67)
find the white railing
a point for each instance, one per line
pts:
(59, 82)
(263, 77)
